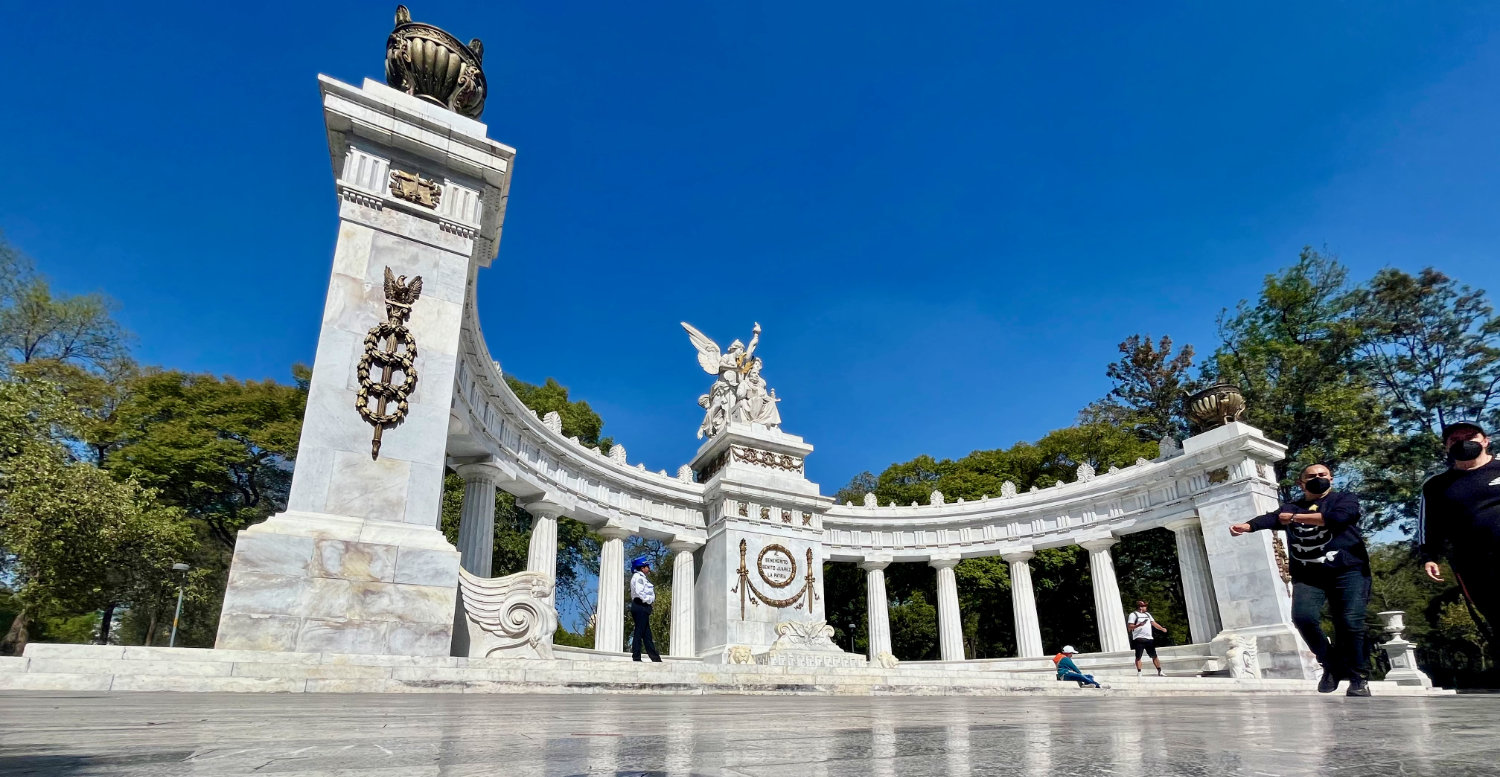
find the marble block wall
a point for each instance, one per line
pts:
(304, 593)
(1252, 598)
(356, 563)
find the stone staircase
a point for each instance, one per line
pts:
(49, 667)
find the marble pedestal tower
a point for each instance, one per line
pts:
(762, 564)
(357, 564)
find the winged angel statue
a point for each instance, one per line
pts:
(740, 394)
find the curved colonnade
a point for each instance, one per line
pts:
(497, 442)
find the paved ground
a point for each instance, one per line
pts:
(455, 735)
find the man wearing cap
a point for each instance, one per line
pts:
(1329, 565)
(642, 596)
(1459, 519)
(1067, 670)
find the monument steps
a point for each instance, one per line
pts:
(47, 667)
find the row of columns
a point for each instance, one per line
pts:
(1109, 611)
(476, 537)
(476, 547)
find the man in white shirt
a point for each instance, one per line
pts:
(642, 596)
(1140, 624)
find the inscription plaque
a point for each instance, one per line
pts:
(778, 568)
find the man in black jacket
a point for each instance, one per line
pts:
(1329, 564)
(1460, 519)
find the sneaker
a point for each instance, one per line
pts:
(1329, 683)
(1358, 687)
(1159, 673)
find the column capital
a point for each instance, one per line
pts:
(943, 562)
(1184, 523)
(546, 508)
(482, 471)
(684, 544)
(609, 532)
(1019, 556)
(873, 563)
(1098, 543)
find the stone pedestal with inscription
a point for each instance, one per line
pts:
(356, 564)
(761, 572)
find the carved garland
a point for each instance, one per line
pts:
(746, 587)
(391, 346)
(767, 459)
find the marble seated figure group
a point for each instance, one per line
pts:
(357, 563)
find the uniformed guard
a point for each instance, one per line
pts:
(642, 596)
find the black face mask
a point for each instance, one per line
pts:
(1317, 486)
(1468, 450)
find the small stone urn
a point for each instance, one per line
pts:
(1215, 406)
(1402, 654)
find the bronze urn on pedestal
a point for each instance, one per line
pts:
(1215, 406)
(427, 62)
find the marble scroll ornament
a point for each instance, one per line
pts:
(507, 617)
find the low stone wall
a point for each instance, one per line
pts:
(113, 668)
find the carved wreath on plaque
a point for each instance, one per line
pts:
(390, 346)
(777, 568)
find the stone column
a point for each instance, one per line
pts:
(476, 529)
(1023, 604)
(609, 615)
(1108, 611)
(684, 574)
(1197, 582)
(950, 626)
(877, 607)
(541, 553)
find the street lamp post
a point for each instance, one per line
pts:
(851, 637)
(181, 582)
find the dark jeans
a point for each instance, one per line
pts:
(1481, 583)
(640, 614)
(1346, 592)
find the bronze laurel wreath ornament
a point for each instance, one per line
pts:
(390, 346)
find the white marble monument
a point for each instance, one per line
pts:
(356, 563)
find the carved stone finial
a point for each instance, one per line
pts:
(1085, 472)
(685, 473)
(1008, 489)
(936, 498)
(617, 453)
(871, 500)
(430, 64)
(1168, 446)
(553, 420)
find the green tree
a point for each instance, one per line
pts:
(218, 448)
(82, 540)
(37, 325)
(1150, 382)
(1432, 352)
(1295, 355)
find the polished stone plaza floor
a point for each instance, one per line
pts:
(456, 735)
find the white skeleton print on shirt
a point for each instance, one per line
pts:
(1307, 543)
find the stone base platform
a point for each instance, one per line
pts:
(113, 668)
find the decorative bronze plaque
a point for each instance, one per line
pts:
(391, 348)
(414, 188)
(1217, 476)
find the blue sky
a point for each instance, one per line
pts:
(945, 216)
